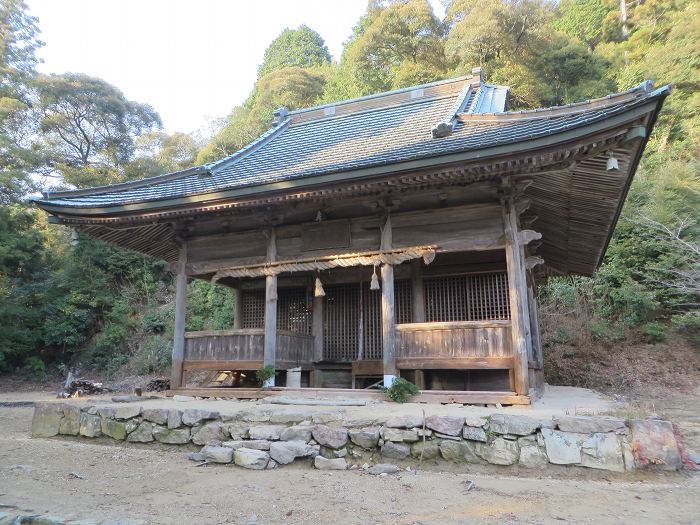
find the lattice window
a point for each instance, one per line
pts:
(371, 322)
(253, 308)
(473, 297)
(488, 296)
(293, 312)
(340, 327)
(403, 300)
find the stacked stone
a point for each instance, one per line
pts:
(265, 439)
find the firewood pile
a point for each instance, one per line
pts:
(159, 384)
(82, 387)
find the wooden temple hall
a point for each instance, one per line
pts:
(398, 234)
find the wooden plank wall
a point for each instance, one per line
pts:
(246, 345)
(454, 340)
(458, 228)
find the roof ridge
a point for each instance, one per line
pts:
(371, 110)
(634, 92)
(379, 95)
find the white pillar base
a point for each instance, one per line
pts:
(389, 380)
(269, 383)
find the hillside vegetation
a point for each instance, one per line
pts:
(72, 302)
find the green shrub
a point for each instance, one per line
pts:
(655, 332)
(401, 391)
(34, 367)
(153, 355)
(264, 374)
(688, 324)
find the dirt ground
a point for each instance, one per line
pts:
(159, 485)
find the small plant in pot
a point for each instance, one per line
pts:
(401, 391)
(265, 374)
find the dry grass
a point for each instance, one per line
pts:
(575, 356)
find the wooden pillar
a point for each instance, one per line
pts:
(417, 291)
(517, 292)
(176, 376)
(317, 328)
(388, 313)
(534, 324)
(270, 344)
(237, 309)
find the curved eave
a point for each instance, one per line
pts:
(651, 104)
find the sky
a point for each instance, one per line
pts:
(192, 60)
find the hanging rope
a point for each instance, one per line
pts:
(393, 257)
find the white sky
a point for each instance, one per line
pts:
(191, 60)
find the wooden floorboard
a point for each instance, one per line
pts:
(424, 396)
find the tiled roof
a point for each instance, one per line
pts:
(376, 131)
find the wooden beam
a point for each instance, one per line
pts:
(388, 313)
(254, 364)
(537, 355)
(270, 342)
(237, 309)
(317, 328)
(516, 289)
(180, 311)
(454, 363)
(417, 292)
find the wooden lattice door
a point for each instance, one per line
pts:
(340, 325)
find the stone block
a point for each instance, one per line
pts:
(449, 425)
(654, 444)
(532, 456)
(142, 434)
(46, 421)
(210, 431)
(603, 451)
(268, 432)
(296, 433)
(513, 424)
(217, 454)
(171, 436)
(250, 458)
(474, 434)
(114, 428)
(322, 463)
(257, 444)
(475, 421)
(70, 424)
(159, 416)
(284, 452)
(399, 435)
(366, 438)
(499, 451)
(563, 448)
(589, 425)
(291, 417)
(174, 418)
(395, 450)
(333, 437)
(407, 421)
(459, 451)
(429, 449)
(194, 416)
(120, 411)
(90, 425)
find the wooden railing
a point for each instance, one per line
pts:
(243, 349)
(461, 344)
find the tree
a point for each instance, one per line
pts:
(157, 153)
(584, 20)
(397, 44)
(302, 47)
(293, 87)
(18, 45)
(88, 127)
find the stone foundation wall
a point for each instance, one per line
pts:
(265, 439)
